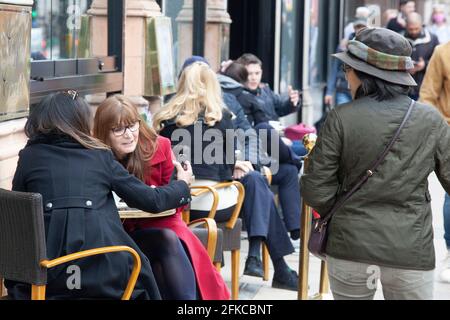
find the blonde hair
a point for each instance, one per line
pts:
(116, 111)
(198, 92)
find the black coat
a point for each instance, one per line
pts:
(80, 214)
(197, 144)
(423, 47)
(252, 108)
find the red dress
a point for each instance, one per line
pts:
(209, 281)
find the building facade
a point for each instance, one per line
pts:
(100, 47)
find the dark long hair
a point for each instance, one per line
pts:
(61, 114)
(377, 88)
(237, 72)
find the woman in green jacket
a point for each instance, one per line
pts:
(384, 230)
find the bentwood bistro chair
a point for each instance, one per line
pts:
(24, 258)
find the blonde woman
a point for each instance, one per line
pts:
(196, 121)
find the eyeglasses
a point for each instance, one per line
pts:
(345, 67)
(71, 93)
(120, 131)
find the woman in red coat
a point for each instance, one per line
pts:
(149, 157)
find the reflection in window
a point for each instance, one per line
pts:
(290, 12)
(172, 10)
(56, 28)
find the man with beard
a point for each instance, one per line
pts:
(423, 43)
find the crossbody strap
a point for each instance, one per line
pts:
(372, 169)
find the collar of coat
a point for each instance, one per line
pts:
(54, 138)
(425, 37)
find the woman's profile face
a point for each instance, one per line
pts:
(123, 139)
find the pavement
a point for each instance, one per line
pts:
(252, 288)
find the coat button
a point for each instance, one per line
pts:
(89, 203)
(49, 205)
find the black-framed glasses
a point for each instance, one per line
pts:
(120, 131)
(73, 94)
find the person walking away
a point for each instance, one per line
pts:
(384, 230)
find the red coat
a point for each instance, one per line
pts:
(210, 283)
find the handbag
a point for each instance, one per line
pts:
(319, 234)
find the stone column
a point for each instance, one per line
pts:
(99, 28)
(134, 43)
(98, 38)
(137, 11)
(12, 137)
(217, 32)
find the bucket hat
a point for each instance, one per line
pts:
(381, 53)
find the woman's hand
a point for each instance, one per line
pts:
(184, 174)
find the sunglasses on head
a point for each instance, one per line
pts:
(72, 94)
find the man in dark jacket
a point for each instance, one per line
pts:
(286, 177)
(423, 43)
(398, 24)
(273, 104)
(260, 214)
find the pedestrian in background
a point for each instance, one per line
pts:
(435, 91)
(384, 230)
(439, 25)
(398, 24)
(423, 43)
(337, 83)
(361, 13)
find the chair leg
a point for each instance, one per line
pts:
(37, 292)
(235, 256)
(265, 262)
(218, 266)
(1, 288)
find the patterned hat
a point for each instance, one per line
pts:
(381, 53)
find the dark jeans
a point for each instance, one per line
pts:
(261, 216)
(447, 220)
(285, 153)
(289, 194)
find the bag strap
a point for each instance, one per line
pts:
(372, 169)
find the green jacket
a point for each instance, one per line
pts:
(388, 221)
